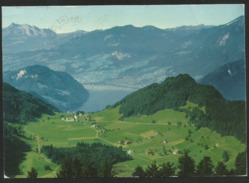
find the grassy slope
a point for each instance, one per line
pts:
(139, 130)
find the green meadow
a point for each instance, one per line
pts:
(161, 137)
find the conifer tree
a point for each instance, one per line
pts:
(186, 165)
(32, 173)
(152, 170)
(205, 167)
(167, 169)
(138, 172)
(106, 170)
(240, 163)
(221, 169)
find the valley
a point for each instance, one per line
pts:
(102, 96)
(161, 137)
(124, 99)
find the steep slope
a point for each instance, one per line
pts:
(19, 106)
(14, 150)
(226, 117)
(229, 80)
(56, 88)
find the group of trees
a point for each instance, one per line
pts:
(73, 167)
(186, 168)
(220, 115)
(20, 106)
(86, 160)
(14, 150)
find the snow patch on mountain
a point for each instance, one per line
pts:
(223, 40)
(34, 76)
(108, 37)
(120, 56)
(20, 74)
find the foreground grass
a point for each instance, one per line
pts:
(165, 134)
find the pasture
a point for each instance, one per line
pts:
(161, 137)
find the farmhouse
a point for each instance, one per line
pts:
(130, 151)
(148, 152)
(75, 117)
(127, 142)
(175, 151)
(68, 119)
(165, 141)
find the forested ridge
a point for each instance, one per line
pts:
(225, 117)
(19, 106)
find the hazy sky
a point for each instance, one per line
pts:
(88, 18)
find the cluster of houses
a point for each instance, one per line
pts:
(80, 118)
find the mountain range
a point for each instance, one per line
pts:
(57, 88)
(129, 57)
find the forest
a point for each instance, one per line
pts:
(21, 106)
(86, 160)
(220, 115)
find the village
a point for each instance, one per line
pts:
(167, 149)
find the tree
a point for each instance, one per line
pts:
(32, 173)
(47, 168)
(138, 172)
(205, 167)
(152, 170)
(225, 156)
(167, 169)
(221, 169)
(76, 167)
(106, 170)
(240, 163)
(90, 170)
(66, 169)
(186, 165)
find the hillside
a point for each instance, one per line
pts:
(229, 79)
(19, 106)
(134, 57)
(56, 88)
(225, 117)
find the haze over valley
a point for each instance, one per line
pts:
(126, 58)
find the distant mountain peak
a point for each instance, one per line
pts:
(238, 21)
(26, 30)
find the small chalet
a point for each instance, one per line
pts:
(148, 152)
(165, 141)
(127, 142)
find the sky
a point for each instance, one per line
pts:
(71, 18)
